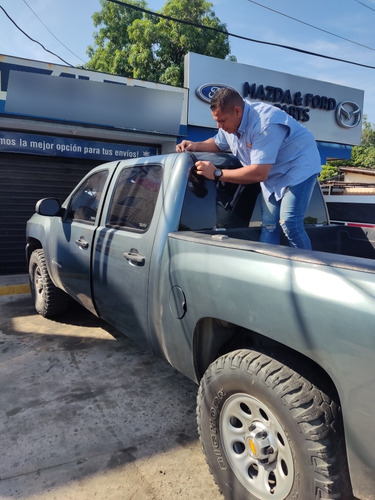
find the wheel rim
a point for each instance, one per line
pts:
(256, 447)
(38, 287)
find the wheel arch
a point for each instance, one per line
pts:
(214, 338)
(31, 245)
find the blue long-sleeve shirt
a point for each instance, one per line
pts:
(268, 135)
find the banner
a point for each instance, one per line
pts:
(37, 144)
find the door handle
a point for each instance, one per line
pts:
(134, 257)
(81, 242)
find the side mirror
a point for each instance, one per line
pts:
(48, 206)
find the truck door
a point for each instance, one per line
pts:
(123, 248)
(71, 247)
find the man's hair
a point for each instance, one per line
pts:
(226, 99)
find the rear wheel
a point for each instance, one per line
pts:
(48, 299)
(268, 433)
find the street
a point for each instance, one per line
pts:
(87, 414)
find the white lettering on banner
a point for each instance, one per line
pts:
(126, 154)
(7, 142)
(73, 148)
(55, 146)
(43, 145)
(107, 152)
(92, 151)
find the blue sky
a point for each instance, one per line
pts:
(71, 22)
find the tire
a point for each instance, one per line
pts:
(268, 433)
(49, 300)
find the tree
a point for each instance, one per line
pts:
(328, 171)
(112, 42)
(148, 47)
(363, 156)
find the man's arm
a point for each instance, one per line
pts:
(208, 146)
(248, 174)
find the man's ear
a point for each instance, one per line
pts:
(237, 110)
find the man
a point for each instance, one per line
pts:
(274, 150)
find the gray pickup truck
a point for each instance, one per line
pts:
(280, 340)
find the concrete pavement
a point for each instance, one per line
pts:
(85, 413)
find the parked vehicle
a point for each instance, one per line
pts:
(350, 203)
(280, 340)
(351, 210)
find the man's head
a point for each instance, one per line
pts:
(227, 109)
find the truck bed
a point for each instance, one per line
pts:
(338, 246)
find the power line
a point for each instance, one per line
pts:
(218, 30)
(312, 26)
(32, 39)
(365, 5)
(36, 15)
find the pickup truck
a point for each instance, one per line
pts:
(280, 340)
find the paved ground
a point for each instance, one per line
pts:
(86, 415)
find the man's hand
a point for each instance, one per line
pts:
(186, 146)
(206, 168)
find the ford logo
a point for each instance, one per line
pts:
(207, 91)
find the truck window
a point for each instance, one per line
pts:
(355, 211)
(134, 198)
(84, 203)
(316, 211)
(210, 205)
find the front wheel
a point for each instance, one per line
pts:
(268, 433)
(48, 299)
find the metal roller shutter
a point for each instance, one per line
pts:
(23, 181)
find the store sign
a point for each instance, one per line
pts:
(48, 91)
(333, 113)
(35, 144)
(296, 104)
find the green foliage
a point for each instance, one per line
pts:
(363, 156)
(112, 42)
(134, 44)
(310, 220)
(328, 171)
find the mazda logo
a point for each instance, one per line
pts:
(348, 114)
(207, 91)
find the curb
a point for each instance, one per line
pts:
(14, 284)
(14, 289)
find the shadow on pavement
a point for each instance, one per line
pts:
(78, 405)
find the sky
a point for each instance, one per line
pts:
(341, 29)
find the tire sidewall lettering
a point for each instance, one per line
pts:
(215, 408)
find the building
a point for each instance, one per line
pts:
(332, 112)
(350, 180)
(58, 122)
